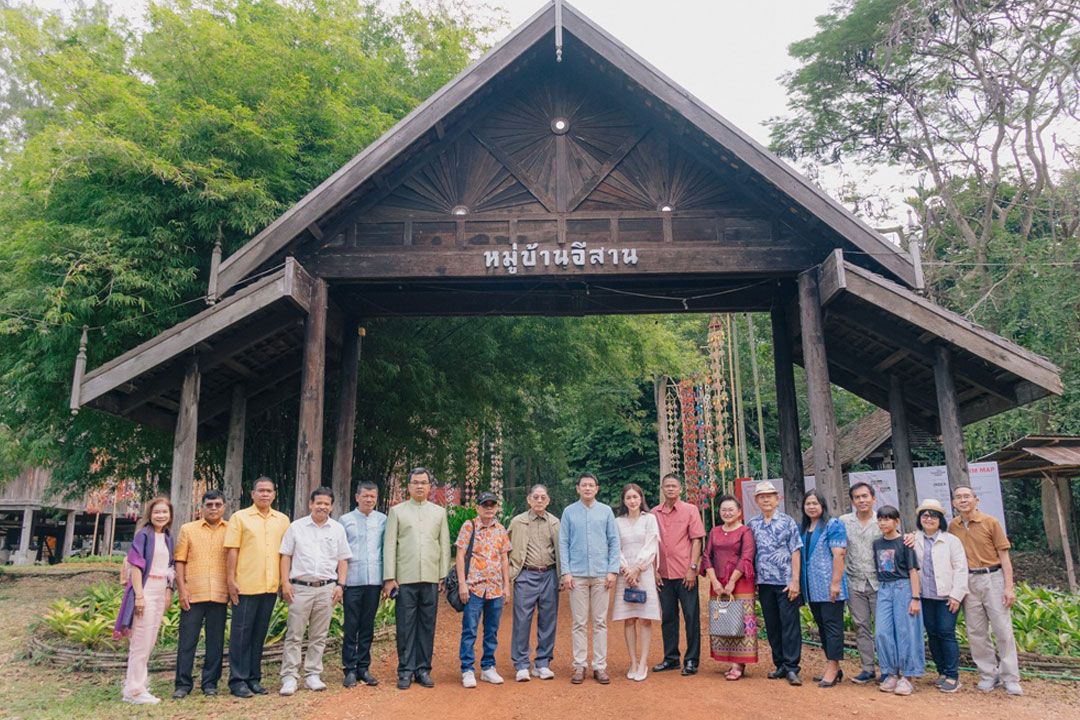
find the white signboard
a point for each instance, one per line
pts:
(930, 483)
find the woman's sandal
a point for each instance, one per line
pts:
(733, 674)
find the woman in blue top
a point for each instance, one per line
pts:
(823, 583)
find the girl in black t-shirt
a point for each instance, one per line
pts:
(898, 635)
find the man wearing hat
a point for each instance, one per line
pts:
(482, 587)
(777, 565)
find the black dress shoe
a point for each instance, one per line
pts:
(256, 687)
(794, 679)
(690, 668)
(350, 679)
(666, 665)
(368, 678)
(241, 691)
(181, 693)
(209, 691)
(424, 678)
(404, 682)
(777, 674)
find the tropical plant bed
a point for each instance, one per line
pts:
(51, 651)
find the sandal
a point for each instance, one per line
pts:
(733, 674)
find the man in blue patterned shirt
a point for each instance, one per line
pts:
(777, 565)
(364, 529)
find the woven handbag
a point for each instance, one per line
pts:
(726, 618)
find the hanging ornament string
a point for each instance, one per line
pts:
(673, 421)
(720, 399)
(497, 462)
(691, 466)
(472, 469)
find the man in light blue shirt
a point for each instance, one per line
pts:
(589, 555)
(364, 528)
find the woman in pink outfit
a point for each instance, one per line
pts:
(148, 593)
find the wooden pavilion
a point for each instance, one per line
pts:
(561, 174)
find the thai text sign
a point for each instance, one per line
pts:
(577, 256)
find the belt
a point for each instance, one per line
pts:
(985, 570)
(157, 577)
(313, 583)
(534, 568)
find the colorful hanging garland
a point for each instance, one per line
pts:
(690, 436)
(497, 462)
(720, 399)
(472, 472)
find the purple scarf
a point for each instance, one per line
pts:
(140, 555)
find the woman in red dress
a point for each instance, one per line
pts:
(728, 563)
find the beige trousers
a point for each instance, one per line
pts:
(310, 610)
(984, 610)
(589, 603)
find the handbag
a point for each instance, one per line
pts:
(634, 595)
(451, 584)
(726, 618)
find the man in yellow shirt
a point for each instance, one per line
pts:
(253, 570)
(203, 593)
(416, 558)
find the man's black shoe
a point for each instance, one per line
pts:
(209, 691)
(241, 691)
(424, 678)
(350, 679)
(794, 679)
(777, 674)
(368, 678)
(404, 682)
(256, 687)
(666, 665)
(690, 668)
(181, 693)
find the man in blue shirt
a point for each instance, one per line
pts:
(364, 528)
(777, 566)
(589, 556)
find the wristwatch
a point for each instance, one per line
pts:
(693, 566)
(340, 585)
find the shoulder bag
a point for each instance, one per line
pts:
(451, 585)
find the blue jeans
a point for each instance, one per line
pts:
(941, 636)
(898, 637)
(470, 620)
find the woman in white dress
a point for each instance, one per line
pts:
(639, 540)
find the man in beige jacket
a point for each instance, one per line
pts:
(534, 562)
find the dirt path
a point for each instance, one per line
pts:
(668, 694)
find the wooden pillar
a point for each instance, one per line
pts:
(346, 418)
(69, 534)
(22, 557)
(952, 434)
(819, 394)
(234, 451)
(1060, 496)
(107, 529)
(788, 409)
(901, 442)
(312, 398)
(184, 445)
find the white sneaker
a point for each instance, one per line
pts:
(490, 676)
(988, 684)
(142, 699)
(314, 682)
(522, 675)
(288, 686)
(468, 679)
(1013, 688)
(543, 673)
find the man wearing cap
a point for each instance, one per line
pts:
(681, 534)
(534, 571)
(991, 593)
(482, 587)
(777, 565)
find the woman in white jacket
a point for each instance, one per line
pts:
(943, 583)
(637, 602)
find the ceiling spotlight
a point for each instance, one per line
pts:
(560, 126)
(665, 208)
(459, 210)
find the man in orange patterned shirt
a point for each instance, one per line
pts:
(483, 587)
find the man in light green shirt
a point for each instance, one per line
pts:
(416, 558)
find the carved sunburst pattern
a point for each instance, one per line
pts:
(658, 172)
(464, 175)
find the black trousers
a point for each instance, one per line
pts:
(212, 615)
(250, 621)
(829, 617)
(782, 626)
(673, 595)
(361, 602)
(416, 607)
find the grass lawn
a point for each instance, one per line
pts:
(29, 690)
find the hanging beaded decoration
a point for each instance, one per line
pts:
(671, 399)
(690, 434)
(497, 462)
(472, 470)
(720, 399)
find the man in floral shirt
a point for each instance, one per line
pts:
(483, 587)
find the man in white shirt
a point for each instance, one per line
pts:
(314, 563)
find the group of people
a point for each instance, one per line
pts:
(652, 559)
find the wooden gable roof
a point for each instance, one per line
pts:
(380, 170)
